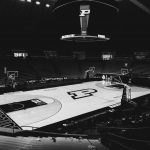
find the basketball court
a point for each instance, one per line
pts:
(38, 108)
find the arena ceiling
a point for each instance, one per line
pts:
(31, 25)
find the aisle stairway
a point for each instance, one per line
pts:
(6, 122)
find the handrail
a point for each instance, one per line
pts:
(26, 133)
(47, 134)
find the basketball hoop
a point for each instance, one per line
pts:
(84, 38)
(11, 75)
(124, 71)
(11, 78)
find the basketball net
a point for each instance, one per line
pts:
(12, 77)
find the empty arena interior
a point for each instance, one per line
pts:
(74, 74)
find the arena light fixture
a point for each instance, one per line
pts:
(37, 3)
(47, 5)
(29, 1)
(84, 36)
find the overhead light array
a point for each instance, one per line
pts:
(29, 1)
(47, 5)
(37, 2)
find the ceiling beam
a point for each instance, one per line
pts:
(141, 6)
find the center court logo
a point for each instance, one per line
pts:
(82, 93)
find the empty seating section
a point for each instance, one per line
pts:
(85, 64)
(2, 78)
(112, 66)
(43, 67)
(68, 68)
(38, 68)
(141, 68)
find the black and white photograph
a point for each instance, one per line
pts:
(74, 74)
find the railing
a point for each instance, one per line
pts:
(7, 124)
(31, 128)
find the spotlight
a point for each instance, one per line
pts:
(37, 3)
(47, 5)
(29, 1)
(22, 0)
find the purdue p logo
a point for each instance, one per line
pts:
(82, 93)
(84, 12)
